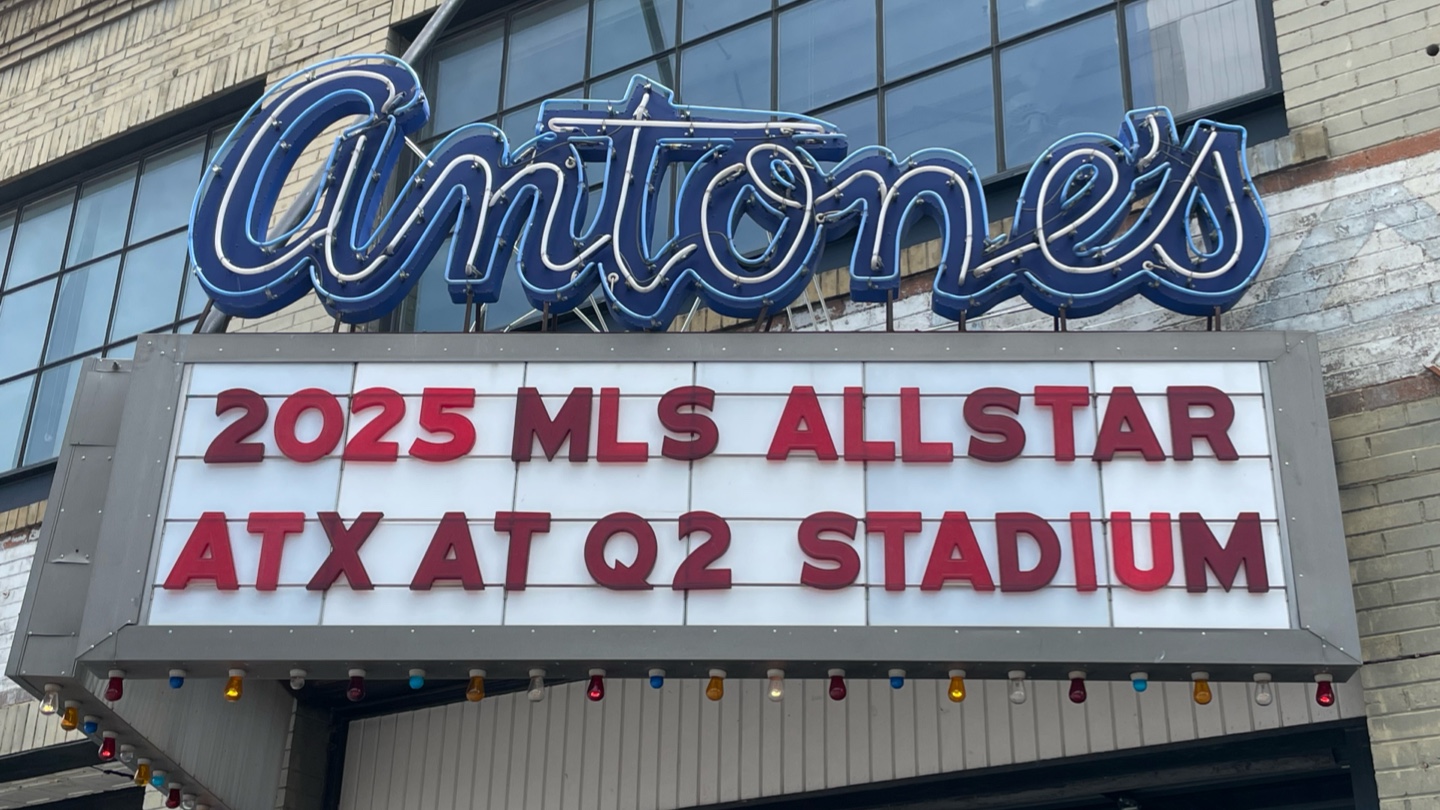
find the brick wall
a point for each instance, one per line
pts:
(19, 529)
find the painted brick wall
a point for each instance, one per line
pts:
(18, 530)
(1360, 68)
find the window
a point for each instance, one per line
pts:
(83, 270)
(997, 80)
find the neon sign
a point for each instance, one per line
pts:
(1099, 219)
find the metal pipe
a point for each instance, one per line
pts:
(217, 322)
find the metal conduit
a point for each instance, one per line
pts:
(215, 321)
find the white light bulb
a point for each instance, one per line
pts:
(297, 679)
(536, 692)
(1264, 691)
(1017, 686)
(776, 687)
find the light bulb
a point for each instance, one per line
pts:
(142, 772)
(127, 755)
(158, 780)
(1202, 688)
(177, 678)
(715, 689)
(1017, 686)
(837, 684)
(957, 686)
(107, 746)
(115, 686)
(235, 685)
(355, 692)
(417, 678)
(1140, 680)
(50, 704)
(596, 690)
(90, 724)
(1264, 692)
(1077, 687)
(187, 801)
(897, 679)
(70, 718)
(657, 678)
(475, 691)
(173, 800)
(536, 693)
(776, 686)
(297, 679)
(1324, 691)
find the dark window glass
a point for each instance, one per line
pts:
(858, 120)
(101, 216)
(924, 33)
(827, 52)
(7, 230)
(1018, 17)
(124, 351)
(547, 50)
(40, 239)
(52, 412)
(467, 79)
(724, 72)
(707, 16)
(195, 295)
(629, 30)
(952, 109)
(1062, 83)
(149, 287)
(1193, 54)
(167, 188)
(614, 86)
(83, 309)
(23, 318)
(434, 311)
(14, 405)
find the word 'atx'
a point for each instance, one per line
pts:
(1099, 219)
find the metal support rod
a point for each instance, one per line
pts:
(216, 322)
(960, 323)
(760, 320)
(469, 303)
(545, 316)
(889, 311)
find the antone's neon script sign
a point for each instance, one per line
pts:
(1099, 219)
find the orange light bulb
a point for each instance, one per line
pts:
(1202, 688)
(235, 685)
(475, 692)
(70, 718)
(715, 689)
(957, 686)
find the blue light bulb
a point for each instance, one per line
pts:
(1140, 681)
(90, 726)
(897, 682)
(657, 678)
(417, 678)
(158, 779)
(177, 681)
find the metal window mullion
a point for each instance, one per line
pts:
(9, 252)
(125, 252)
(1122, 41)
(880, 76)
(774, 54)
(995, 87)
(50, 320)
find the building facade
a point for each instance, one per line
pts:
(122, 104)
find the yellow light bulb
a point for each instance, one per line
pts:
(70, 718)
(142, 772)
(1202, 688)
(715, 689)
(235, 685)
(957, 685)
(476, 691)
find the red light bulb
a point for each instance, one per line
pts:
(115, 686)
(107, 747)
(1324, 691)
(1077, 687)
(596, 690)
(173, 800)
(356, 691)
(837, 684)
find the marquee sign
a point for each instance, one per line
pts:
(1098, 221)
(1110, 503)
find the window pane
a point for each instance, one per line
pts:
(1192, 54)
(629, 30)
(195, 295)
(467, 79)
(167, 187)
(150, 287)
(7, 230)
(124, 351)
(858, 120)
(24, 315)
(547, 50)
(40, 239)
(705, 16)
(613, 87)
(52, 411)
(1017, 17)
(434, 311)
(953, 109)
(83, 310)
(14, 405)
(923, 33)
(827, 52)
(725, 72)
(1059, 84)
(101, 216)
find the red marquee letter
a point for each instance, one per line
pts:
(1082, 545)
(273, 528)
(701, 427)
(956, 537)
(532, 421)
(1162, 552)
(893, 526)
(913, 448)
(802, 428)
(1125, 429)
(857, 447)
(1185, 428)
(206, 556)
(450, 556)
(1246, 547)
(345, 552)
(522, 527)
(621, 577)
(608, 447)
(1008, 528)
(1062, 400)
(980, 420)
(844, 555)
